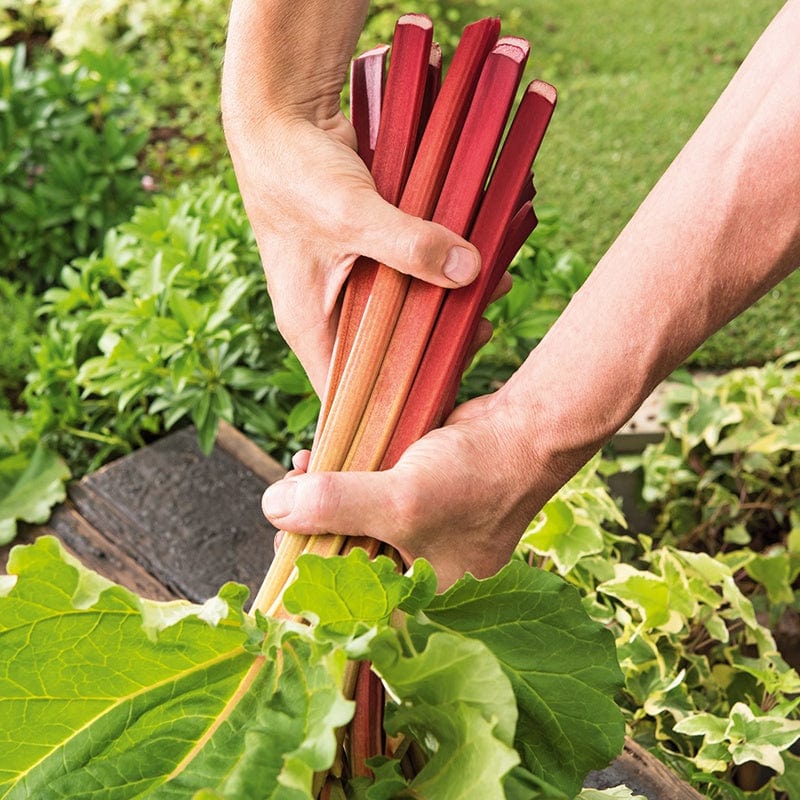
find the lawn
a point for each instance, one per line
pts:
(634, 80)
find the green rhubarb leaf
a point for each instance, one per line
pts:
(562, 666)
(31, 478)
(454, 699)
(344, 595)
(104, 694)
(450, 670)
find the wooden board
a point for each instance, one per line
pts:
(167, 521)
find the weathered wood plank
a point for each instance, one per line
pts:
(247, 452)
(643, 774)
(191, 521)
(94, 551)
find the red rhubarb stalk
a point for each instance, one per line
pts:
(432, 86)
(451, 337)
(389, 287)
(395, 144)
(366, 730)
(366, 96)
(461, 193)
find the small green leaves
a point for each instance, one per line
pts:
(339, 594)
(31, 477)
(744, 735)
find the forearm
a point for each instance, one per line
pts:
(718, 230)
(288, 58)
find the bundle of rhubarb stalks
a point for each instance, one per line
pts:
(434, 149)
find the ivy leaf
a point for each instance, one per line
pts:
(646, 592)
(613, 793)
(557, 533)
(783, 438)
(103, 691)
(773, 571)
(709, 419)
(31, 478)
(746, 737)
(562, 667)
(789, 782)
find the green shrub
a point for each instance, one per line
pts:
(68, 169)
(169, 322)
(31, 476)
(18, 329)
(728, 471)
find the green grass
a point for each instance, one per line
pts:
(634, 80)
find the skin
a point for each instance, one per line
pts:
(719, 229)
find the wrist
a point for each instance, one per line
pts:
(287, 60)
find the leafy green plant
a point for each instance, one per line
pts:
(705, 684)
(208, 702)
(68, 168)
(31, 476)
(169, 322)
(728, 471)
(18, 329)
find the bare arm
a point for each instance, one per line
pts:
(310, 199)
(718, 230)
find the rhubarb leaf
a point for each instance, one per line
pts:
(454, 699)
(342, 595)
(105, 693)
(561, 664)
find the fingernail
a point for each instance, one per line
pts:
(460, 266)
(278, 500)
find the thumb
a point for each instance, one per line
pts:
(412, 245)
(326, 502)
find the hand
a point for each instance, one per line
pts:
(314, 209)
(493, 485)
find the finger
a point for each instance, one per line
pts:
(301, 459)
(411, 245)
(503, 287)
(483, 335)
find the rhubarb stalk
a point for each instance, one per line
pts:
(461, 193)
(399, 119)
(388, 290)
(449, 342)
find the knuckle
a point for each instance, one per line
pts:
(418, 246)
(408, 511)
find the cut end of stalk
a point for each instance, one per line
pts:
(420, 20)
(378, 51)
(546, 90)
(435, 58)
(513, 47)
